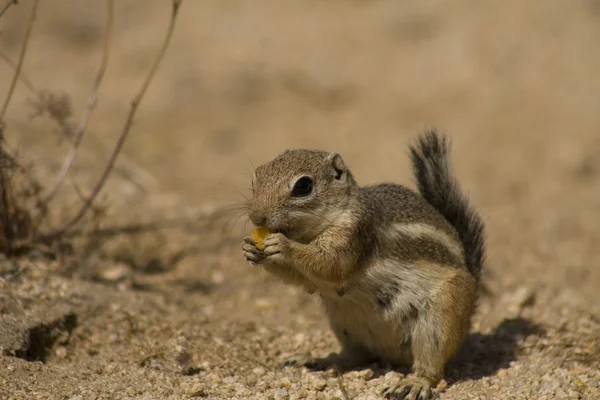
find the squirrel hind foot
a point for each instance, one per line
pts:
(411, 388)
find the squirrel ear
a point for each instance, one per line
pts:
(339, 168)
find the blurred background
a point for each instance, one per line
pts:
(516, 84)
(357, 77)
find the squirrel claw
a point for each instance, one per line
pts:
(409, 389)
(315, 364)
(294, 362)
(252, 254)
(277, 247)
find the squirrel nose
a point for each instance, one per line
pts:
(258, 219)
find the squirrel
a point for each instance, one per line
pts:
(398, 271)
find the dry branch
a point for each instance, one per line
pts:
(17, 72)
(176, 4)
(15, 219)
(22, 77)
(7, 5)
(340, 382)
(17, 192)
(91, 104)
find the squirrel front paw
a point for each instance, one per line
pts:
(277, 248)
(253, 254)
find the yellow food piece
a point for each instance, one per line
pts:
(259, 235)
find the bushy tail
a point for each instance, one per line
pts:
(440, 189)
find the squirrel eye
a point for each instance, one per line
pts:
(302, 187)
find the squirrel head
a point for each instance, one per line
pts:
(301, 192)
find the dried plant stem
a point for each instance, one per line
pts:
(22, 77)
(340, 382)
(125, 167)
(7, 5)
(17, 72)
(91, 104)
(176, 4)
(5, 199)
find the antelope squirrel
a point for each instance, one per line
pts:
(398, 272)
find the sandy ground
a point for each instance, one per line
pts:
(169, 309)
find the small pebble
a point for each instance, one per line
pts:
(262, 304)
(115, 274)
(243, 392)
(198, 390)
(319, 383)
(390, 376)
(285, 382)
(60, 352)
(574, 395)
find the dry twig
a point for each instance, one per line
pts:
(91, 104)
(19, 65)
(340, 382)
(176, 4)
(15, 195)
(7, 6)
(15, 220)
(22, 77)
